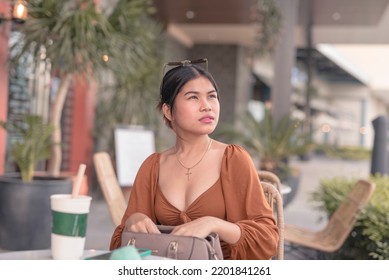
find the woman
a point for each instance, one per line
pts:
(200, 185)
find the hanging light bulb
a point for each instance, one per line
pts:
(19, 12)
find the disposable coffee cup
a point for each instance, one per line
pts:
(69, 222)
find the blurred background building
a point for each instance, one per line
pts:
(327, 66)
(342, 44)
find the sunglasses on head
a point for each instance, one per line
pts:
(185, 63)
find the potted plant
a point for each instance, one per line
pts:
(271, 145)
(25, 216)
(369, 239)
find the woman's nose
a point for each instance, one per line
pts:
(205, 106)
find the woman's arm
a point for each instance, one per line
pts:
(201, 227)
(246, 206)
(141, 198)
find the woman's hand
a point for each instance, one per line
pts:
(201, 227)
(139, 222)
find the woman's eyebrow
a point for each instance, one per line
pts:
(197, 92)
(191, 91)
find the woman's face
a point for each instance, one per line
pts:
(196, 108)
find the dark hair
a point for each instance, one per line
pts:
(175, 79)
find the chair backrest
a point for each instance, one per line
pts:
(274, 199)
(268, 176)
(110, 186)
(343, 219)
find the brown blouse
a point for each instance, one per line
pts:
(236, 196)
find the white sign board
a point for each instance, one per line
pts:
(133, 144)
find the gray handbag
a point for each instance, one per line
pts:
(174, 246)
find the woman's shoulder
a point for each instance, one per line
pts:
(237, 166)
(227, 148)
(236, 157)
(151, 160)
(231, 153)
(153, 156)
(235, 150)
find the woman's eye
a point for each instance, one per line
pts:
(193, 97)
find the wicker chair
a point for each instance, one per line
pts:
(274, 199)
(333, 235)
(267, 176)
(109, 184)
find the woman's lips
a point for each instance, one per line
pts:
(207, 119)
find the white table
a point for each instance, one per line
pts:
(41, 254)
(46, 255)
(285, 189)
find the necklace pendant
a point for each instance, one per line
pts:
(189, 168)
(188, 173)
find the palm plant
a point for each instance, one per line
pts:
(280, 141)
(78, 40)
(132, 97)
(268, 19)
(32, 144)
(271, 144)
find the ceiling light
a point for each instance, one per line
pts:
(19, 13)
(336, 16)
(190, 14)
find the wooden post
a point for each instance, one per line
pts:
(284, 59)
(5, 28)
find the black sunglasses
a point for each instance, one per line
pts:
(185, 63)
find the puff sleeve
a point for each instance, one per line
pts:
(142, 196)
(246, 206)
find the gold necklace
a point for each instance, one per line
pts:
(189, 168)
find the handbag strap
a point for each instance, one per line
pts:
(213, 246)
(172, 251)
(212, 252)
